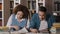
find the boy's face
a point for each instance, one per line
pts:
(41, 15)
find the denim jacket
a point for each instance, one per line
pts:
(35, 21)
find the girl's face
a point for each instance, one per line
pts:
(19, 14)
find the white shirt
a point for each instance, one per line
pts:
(10, 20)
(43, 25)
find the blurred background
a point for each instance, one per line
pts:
(6, 8)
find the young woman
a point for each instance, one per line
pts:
(18, 19)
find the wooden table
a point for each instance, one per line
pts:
(56, 25)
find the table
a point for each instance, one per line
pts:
(23, 33)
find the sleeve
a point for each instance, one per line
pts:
(51, 20)
(24, 23)
(32, 22)
(9, 21)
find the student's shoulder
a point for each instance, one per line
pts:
(49, 16)
(36, 14)
(12, 16)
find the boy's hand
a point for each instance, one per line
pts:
(34, 30)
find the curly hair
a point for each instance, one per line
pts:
(22, 8)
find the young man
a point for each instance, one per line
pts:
(42, 21)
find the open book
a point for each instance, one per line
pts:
(24, 30)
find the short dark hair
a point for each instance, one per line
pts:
(43, 9)
(22, 8)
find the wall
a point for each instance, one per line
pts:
(6, 10)
(49, 5)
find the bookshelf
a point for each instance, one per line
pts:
(13, 3)
(1, 10)
(39, 3)
(34, 5)
(16, 2)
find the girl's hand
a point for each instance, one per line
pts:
(16, 27)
